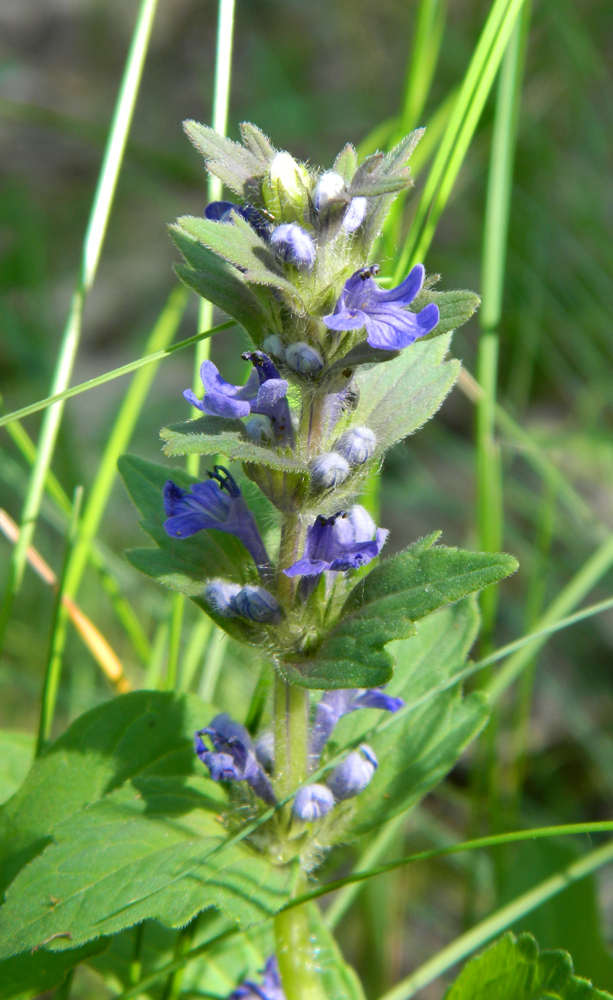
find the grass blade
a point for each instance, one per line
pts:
(473, 93)
(94, 238)
(132, 366)
(496, 225)
(568, 598)
(499, 921)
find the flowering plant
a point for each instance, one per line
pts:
(235, 817)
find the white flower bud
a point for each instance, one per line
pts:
(354, 216)
(219, 595)
(328, 470)
(329, 187)
(303, 358)
(356, 445)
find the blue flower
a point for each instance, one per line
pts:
(264, 392)
(293, 244)
(335, 704)
(232, 757)
(217, 503)
(389, 325)
(312, 802)
(342, 542)
(271, 988)
(221, 211)
(353, 774)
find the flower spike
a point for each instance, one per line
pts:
(389, 326)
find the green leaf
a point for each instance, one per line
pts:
(522, 866)
(238, 243)
(29, 975)
(419, 745)
(16, 755)
(210, 553)
(385, 604)
(455, 309)
(222, 284)
(393, 164)
(514, 969)
(257, 143)
(238, 168)
(346, 163)
(398, 397)
(147, 842)
(216, 435)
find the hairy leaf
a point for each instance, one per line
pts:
(216, 435)
(455, 309)
(222, 284)
(417, 746)
(257, 143)
(514, 969)
(238, 243)
(148, 844)
(385, 604)
(235, 165)
(399, 397)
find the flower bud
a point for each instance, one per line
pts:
(219, 595)
(353, 775)
(328, 470)
(257, 604)
(329, 187)
(260, 429)
(356, 445)
(354, 216)
(312, 802)
(274, 345)
(303, 359)
(285, 189)
(293, 245)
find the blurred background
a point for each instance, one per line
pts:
(314, 75)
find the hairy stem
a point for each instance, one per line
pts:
(295, 952)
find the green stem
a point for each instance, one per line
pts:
(295, 953)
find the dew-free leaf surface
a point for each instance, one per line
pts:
(136, 833)
(514, 969)
(384, 606)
